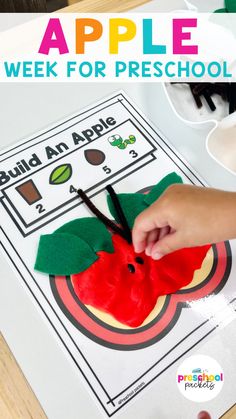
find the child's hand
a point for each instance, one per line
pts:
(185, 216)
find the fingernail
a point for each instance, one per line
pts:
(157, 256)
(147, 252)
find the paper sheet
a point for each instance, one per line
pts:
(38, 181)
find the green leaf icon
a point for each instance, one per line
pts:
(61, 174)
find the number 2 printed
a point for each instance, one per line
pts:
(40, 208)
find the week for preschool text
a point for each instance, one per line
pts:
(163, 47)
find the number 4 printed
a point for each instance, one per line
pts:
(72, 189)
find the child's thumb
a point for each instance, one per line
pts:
(168, 244)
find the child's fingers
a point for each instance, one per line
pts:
(169, 243)
(156, 235)
(152, 237)
(142, 227)
(139, 240)
(163, 232)
(145, 223)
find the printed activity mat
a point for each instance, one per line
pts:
(108, 143)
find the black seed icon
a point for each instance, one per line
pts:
(94, 157)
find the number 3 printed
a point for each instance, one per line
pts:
(133, 154)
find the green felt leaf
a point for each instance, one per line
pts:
(132, 204)
(157, 190)
(92, 231)
(230, 6)
(63, 254)
(221, 11)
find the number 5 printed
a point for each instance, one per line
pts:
(107, 170)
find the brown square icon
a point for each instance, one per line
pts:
(29, 192)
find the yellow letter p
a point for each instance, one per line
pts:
(116, 37)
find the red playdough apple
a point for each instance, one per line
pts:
(127, 285)
(105, 271)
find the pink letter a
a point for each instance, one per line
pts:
(53, 28)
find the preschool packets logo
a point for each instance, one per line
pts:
(200, 378)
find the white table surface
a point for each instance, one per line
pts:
(24, 109)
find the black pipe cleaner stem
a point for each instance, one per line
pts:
(108, 223)
(120, 213)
